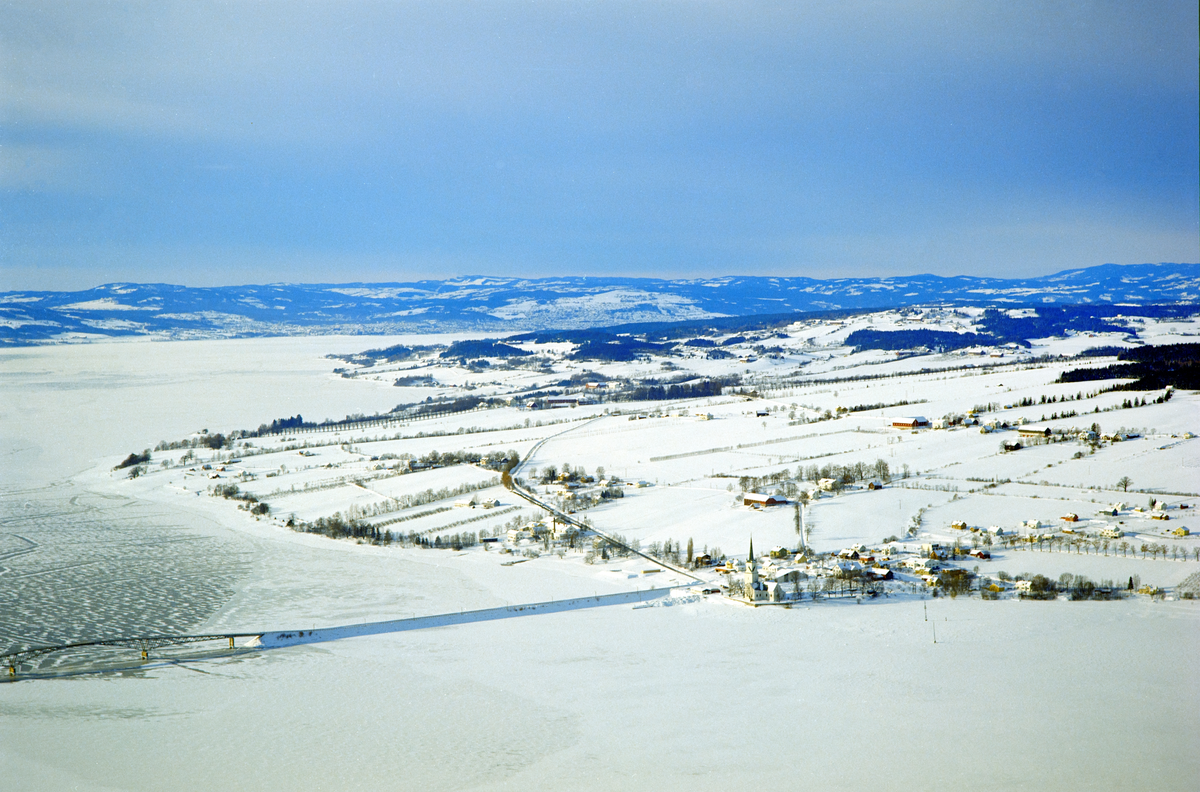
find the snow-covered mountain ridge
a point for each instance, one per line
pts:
(494, 304)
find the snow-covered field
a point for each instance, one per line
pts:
(831, 694)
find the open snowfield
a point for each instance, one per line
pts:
(1013, 696)
(830, 694)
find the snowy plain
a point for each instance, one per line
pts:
(836, 694)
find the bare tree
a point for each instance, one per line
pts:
(1124, 483)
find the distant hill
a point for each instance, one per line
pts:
(499, 305)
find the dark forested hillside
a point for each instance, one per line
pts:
(1151, 368)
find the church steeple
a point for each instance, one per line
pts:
(751, 574)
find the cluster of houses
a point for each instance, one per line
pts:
(529, 532)
(768, 585)
(475, 502)
(778, 577)
(587, 491)
(537, 531)
(915, 422)
(1027, 434)
(758, 500)
(1073, 524)
(782, 576)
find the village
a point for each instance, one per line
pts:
(810, 449)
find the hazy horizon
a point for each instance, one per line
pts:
(478, 276)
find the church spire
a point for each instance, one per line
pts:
(751, 575)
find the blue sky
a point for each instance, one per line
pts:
(211, 144)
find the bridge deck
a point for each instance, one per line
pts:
(273, 639)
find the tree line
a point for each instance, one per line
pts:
(337, 526)
(693, 390)
(134, 459)
(250, 503)
(1151, 367)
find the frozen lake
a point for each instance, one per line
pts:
(79, 566)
